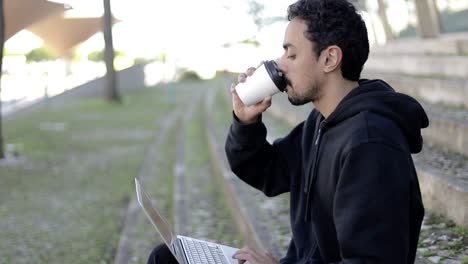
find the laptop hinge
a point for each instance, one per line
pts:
(179, 251)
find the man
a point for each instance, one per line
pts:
(355, 195)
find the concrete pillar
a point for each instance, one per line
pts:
(68, 57)
(428, 18)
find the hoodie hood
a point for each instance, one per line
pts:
(378, 97)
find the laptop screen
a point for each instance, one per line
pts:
(155, 217)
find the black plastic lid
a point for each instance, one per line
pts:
(276, 75)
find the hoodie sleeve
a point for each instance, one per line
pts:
(266, 167)
(371, 204)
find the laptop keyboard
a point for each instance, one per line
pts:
(203, 252)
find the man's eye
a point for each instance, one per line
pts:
(292, 57)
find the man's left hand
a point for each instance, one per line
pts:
(254, 256)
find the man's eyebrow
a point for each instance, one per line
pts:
(288, 45)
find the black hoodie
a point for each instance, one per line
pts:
(355, 195)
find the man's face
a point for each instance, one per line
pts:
(300, 65)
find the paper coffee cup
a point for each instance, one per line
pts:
(265, 81)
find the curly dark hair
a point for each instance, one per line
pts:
(335, 22)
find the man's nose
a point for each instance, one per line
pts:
(281, 65)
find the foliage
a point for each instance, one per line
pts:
(40, 54)
(247, 41)
(143, 60)
(98, 55)
(256, 11)
(162, 57)
(75, 57)
(9, 53)
(188, 75)
(252, 42)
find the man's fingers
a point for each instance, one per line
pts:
(242, 77)
(245, 257)
(233, 91)
(250, 71)
(267, 101)
(264, 104)
(254, 256)
(235, 97)
(244, 250)
(268, 255)
(249, 256)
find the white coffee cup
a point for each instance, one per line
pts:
(267, 80)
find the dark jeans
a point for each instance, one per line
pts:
(161, 255)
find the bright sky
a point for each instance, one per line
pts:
(190, 32)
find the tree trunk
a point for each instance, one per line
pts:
(383, 16)
(112, 93)
(2, 40)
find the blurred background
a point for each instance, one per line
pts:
(95, 93)
(61, 49)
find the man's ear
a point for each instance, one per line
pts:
(332, 58)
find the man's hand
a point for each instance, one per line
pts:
(254, 256)
(248, 114)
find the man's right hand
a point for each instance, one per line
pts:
(248, 114)
(254, 256)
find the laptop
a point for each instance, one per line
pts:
(185, 249)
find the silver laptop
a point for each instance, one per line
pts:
(186, 250)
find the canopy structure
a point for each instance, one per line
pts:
(19, 14)
(62, 34)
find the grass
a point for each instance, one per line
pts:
(222, 115)
(428, 253)
(464, 260)
(450, 229)
(159, 183)
(63, 201)
(460, 231)
(65, 198)
(210, 213)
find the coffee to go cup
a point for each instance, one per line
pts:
(267, 80)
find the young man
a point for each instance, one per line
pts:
(355, 195)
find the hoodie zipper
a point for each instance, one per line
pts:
(314, 153)
(319, 133)
(312, 174)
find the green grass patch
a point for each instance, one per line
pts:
(428, 253)
(65, 198)
(464, 260)
(460, 231)
(210, 214)
(456, 235)
(159, 183)
(222, 116)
